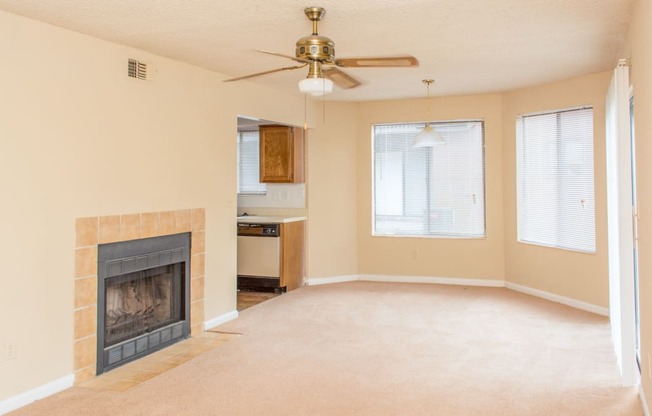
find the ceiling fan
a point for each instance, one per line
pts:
(318, 54)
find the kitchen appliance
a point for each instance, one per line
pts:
(259, 256)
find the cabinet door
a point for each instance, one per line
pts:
(281, 154)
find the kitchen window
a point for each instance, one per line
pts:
(249, 164)
(429, 191)
(556, 202)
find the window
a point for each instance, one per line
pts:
(248, 164)
(429, 191)
(556, 204)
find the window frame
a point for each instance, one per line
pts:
(429, 158)
(238, 185)
(559, 155)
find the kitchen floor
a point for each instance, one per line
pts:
(247, 299)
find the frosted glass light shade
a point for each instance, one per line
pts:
(428, 137)
(316, 86)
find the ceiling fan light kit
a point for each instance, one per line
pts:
(317, 51)
(428, 137)
(316, 86)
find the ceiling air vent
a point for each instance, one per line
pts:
(137, 70)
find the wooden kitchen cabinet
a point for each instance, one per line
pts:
(281, 154)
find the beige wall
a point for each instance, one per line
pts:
(332, 194)
(638, 50)
(435, 257)
(575, 275)
(80, 139)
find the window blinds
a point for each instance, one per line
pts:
(432, 191)
(556, 204)
(248, 164)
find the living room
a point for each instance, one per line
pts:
(82, 140)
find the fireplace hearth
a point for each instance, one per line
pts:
(143, 297)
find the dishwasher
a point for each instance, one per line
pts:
(259, 257)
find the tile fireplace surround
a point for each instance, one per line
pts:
(92, 231)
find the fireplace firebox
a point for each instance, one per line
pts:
(143, 297)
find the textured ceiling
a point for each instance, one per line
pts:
(468, 47)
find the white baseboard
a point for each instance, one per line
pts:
(328, 280)
(404, 279)
(641, 394)
(463, 282)
(219, 320)
(589, 307)
(433, 280)
(41, 392)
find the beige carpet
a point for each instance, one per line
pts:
(366, 348)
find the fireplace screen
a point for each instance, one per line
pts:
(142, 302)
(143, 297)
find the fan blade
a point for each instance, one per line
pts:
(342, 79)
(391, 61)
(305, 61)
(271, 71)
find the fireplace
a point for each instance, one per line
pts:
(143, 297)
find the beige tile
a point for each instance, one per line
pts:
(198, 241)
(122, 385)
(85, 322)
(160, 366)
(85, 292)
(87, 231)
(166, 225)
(102, 381)
(86, 261)
(129, 227)
(179, 359)
(85, 375)
(198, 219)
(109, 229)
(136, 374)
(85, 352)
(197, 289)
(197, 265)
(182, 220)
(196, 317)
(149, 224)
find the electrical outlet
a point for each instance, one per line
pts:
(7, 352)
(10, 351)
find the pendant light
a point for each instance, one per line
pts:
(428, 137)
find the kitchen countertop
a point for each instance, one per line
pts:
(264, 219)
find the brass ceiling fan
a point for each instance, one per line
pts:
(318, 53)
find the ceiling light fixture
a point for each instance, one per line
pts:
(315, 84)
(428, 136)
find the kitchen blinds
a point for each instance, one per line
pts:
(556, 204)
(248, 164)
(429, 191)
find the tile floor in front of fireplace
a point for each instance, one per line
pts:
(132, 374)
(139, 371)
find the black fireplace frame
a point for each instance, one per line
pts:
(125, 257)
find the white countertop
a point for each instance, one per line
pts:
(263, 219)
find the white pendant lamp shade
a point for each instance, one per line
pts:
(316, 86)
(428, 137)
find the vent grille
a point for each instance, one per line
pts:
(137, 69)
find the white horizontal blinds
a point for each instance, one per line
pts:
(429, 190)
(248, 164)
(556, 203)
